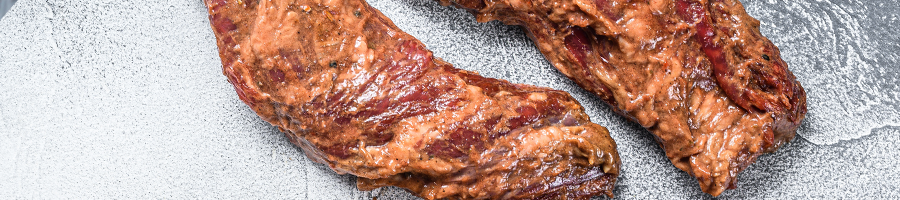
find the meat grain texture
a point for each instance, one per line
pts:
(699, 75)
(356, 93)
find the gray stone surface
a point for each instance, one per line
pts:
(125, 99)
(4, 6)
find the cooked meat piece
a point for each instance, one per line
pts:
(356, 93)
(697, 74)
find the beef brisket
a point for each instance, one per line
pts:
(358, 94)
(697, 74)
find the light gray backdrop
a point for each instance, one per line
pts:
(5, 5)
(126, 99)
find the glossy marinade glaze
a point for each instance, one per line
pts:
(697, 74)
(356, 93)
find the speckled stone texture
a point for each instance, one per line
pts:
(126, 99)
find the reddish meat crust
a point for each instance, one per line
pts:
(697, 74)
(356, 93)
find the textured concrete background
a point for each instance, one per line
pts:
(4, 6)
(125, 99)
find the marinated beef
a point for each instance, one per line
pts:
(358, 94)
(697, 74)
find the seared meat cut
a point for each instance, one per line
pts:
(697, 74)
(356, 93)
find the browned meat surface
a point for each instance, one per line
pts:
(697, 74)
(356, 93)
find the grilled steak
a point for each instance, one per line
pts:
(697, 74)
(358, 94)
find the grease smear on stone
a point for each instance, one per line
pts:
(846, 55)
